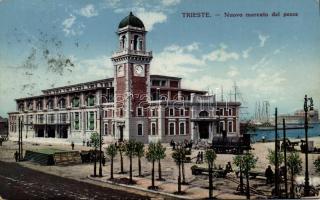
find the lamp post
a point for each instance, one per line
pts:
(100, 143)
(306, 109)
(276, 181)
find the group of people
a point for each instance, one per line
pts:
(186, 144)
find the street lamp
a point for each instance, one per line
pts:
(306, 109)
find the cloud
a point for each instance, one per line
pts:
(189, 48)
(88, 11)
(112, 3)
(177, 60)
(69, 27)
(170, 2)
(263, 39)
(245, 53)
(151, 18)
(221, 55)
(233, 71)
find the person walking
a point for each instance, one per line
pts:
(16, 155)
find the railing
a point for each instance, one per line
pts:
(135, 52)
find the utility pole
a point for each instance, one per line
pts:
(19, 149)
(276, 182)
(100, 145)
(285, 157)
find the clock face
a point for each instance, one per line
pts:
(139, 69)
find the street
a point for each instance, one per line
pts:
(18, 182)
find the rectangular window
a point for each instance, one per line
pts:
(140, 130)
(105, 129)
(139, 112)
(76, 121)
(76, 102)
(230, 112)
(63, 117)
(181, 130)
(230, 127)
(153, 128)
(91, 120)
(181, 112)
(153, 112)
(221, 111)
(217, 112)
(171, 128)
(171, 112)
(105, 114)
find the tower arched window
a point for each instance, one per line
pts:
(135, 42)
(123, 42)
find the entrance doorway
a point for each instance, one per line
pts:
(51, 131)
(121, 133)
(204, 130)
(40, 132)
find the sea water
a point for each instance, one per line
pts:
(290, 133)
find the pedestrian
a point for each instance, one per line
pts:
(228, 167)
(201, 156)
(72, 145)
(16, 155)
(269, 174)
(198, 158)
(103, 161)
(83, 142)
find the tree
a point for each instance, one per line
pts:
(210, 157)
(161, 154)
(272, 157)
(130, 152)
(238, 161)
(249, 163)
(112, 152)
(317, 164)
(139, 152)
(245, 162)
(121, 149)
(152, 156)
(295, 166)
(95, 142)
(178, 156)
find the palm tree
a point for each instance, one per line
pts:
(238, 161)
(121, 149)
(112, 152)
(161, 154)
(152, 156)
(95, 142)
(139, 152)
(210, 156)
(272, 157)
(130, 152)
(317, 164)
(249, 163)
(295, 166)
(179, 155)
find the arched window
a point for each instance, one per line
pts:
(153, 129)
(90, 100)
(75, 102)
(62, 103)
(50, 104)
(203, 114)
(21, 107)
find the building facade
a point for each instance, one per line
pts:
(131, 105)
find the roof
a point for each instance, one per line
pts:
(3, 119)
(163, 76)
(132, 21)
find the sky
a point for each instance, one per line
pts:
(45, 44)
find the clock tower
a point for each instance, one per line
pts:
(131, 80)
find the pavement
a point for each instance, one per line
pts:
(17, 182)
